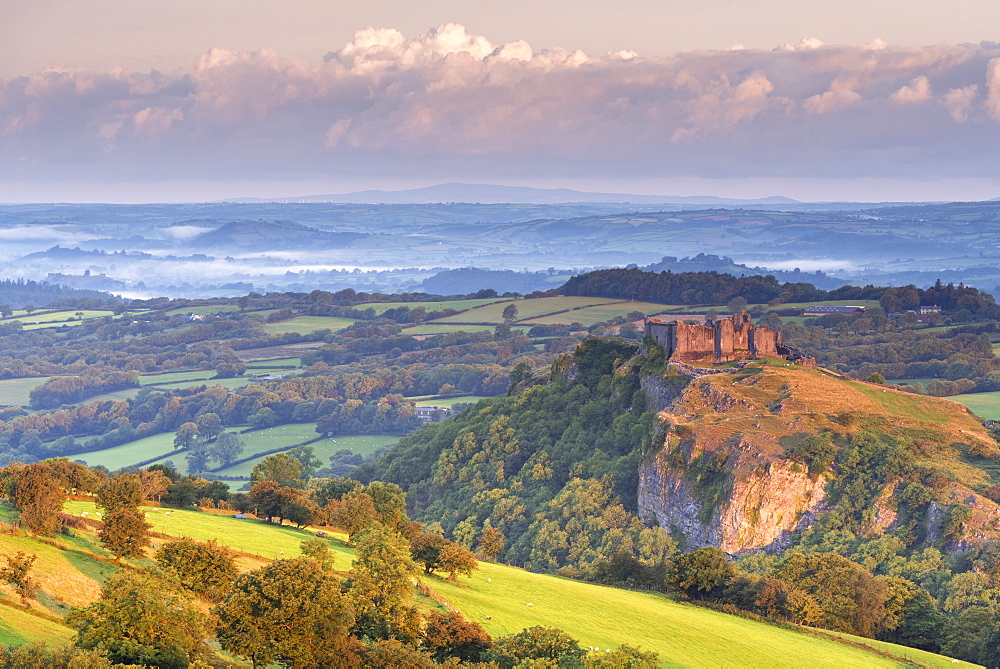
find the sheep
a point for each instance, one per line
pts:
(529, 604)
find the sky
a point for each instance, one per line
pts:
(149, 100)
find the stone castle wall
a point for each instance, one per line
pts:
(729, 339)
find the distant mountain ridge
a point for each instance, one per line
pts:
(496, 194)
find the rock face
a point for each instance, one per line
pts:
(761, 510)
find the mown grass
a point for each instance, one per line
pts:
(308, 324)
(16, 391)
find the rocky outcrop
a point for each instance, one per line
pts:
(767, 500)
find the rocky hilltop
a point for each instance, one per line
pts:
(735, 468)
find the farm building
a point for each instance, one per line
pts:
(826, 310)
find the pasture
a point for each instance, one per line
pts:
(14, 392)
(527, 309)
(438, 327)
(460, 305)
(604, 617)
(126, 455)
(248, 535)
(985, 405)
(447, 401)
(307, 324)
(590, 315)
(323, 449)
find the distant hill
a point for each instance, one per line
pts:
(494, 194)
(271, 235)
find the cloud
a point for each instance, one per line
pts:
(918, 90)
(958, 101)
(449, 102)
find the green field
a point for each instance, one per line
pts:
(15, 391)
(308, 324)
(172, 377)
(18, 627)
(128, 454)
(591, 315)
(446, 402)
(276, 364)
(526, 309)
(205, 311)
(57, 317)
(834, 303)
(381, 307)
(986, 405)
(364, 444)
(250, 536)
(438, 327)
(604, 617)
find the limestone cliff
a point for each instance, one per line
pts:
(723, 476)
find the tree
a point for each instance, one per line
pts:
(450, 635)
(307, 460)
(702, 573)
(353, 513)
(121, 492)
(142, 619)
(509, 313)
(228, 447)
(187, 435)
(455, 559)
(154, 483)
(381, 587)
(535, 643)
(281, 468)
(6, 311)
(290, 611)
(38, 497)
(125, 533)
(318, 549)
(198, 457)
(491, 542)
(17, 574)
(737, 304)
(209, 425)
(206, 569)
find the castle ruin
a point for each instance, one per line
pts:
(725, 340)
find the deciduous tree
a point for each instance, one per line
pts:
(290, 611)
(125, 533)
(142, 619)
(207, 569)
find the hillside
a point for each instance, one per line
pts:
(71, 570)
